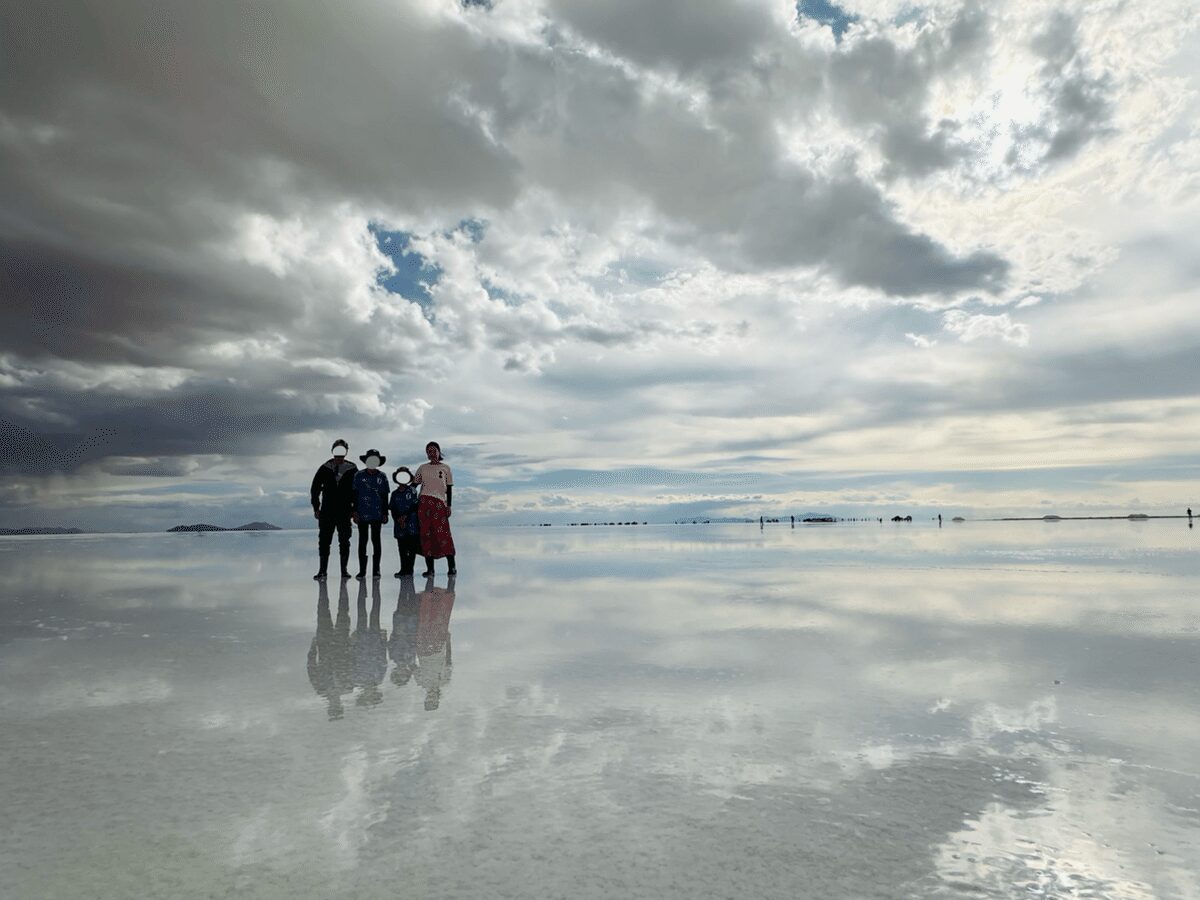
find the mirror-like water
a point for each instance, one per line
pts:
(988, 709)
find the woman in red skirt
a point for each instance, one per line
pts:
(433, 509)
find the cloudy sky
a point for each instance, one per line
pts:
(621, 258)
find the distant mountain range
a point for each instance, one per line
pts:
(249, 526)
(50, 530)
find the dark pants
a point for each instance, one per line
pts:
(328, 524)
(408, 546)
(375, 529)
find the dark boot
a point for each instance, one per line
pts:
(452, 570)
(320, 576)
(428, 573)
(345, 555)
(374, 566)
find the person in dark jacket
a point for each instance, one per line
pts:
(407, 528)
(332, 497)
(370, 510)
(329, 668)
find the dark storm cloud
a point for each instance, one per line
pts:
(150, 467)
(69, 300)
(846, 225)
(134, 138)
(126, 151)
(51, 450)
(201, 415)
(723, 185)
(343, 94)
(677, 34)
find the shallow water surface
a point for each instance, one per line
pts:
(986, 709)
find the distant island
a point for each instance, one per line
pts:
(50, 530)
(249, 526)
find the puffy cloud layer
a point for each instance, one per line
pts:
(575, 236)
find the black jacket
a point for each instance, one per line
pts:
(333, 489)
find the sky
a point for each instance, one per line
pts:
(623, 260)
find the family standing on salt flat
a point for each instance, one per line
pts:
(344, 495)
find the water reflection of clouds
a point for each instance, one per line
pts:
(1097, 833)
(686, 703)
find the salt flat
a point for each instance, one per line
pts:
(986, 709)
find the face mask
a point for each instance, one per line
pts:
(372, 462)
(339, 450)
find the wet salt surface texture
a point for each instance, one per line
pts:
(989, 709)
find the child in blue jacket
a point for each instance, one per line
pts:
(404, 514)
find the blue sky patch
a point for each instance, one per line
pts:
(916, 15)
(495, 292)
(414, 274)
(475, 228)
(827, 14)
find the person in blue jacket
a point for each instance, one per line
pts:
(407, 528)
(370, 510)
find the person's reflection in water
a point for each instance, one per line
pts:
(329, 655)
(434, 606)
(369, 648)
(402, 645)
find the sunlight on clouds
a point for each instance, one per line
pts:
(973, 327)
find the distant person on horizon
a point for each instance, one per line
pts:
(370, 510)
(407, 528)
(433, 509)
(332, 496)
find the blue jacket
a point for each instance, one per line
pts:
(404, 506)
(370, 496)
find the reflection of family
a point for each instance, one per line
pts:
(343, 495)
(340, 663)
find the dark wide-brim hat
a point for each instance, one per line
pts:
(373, 452)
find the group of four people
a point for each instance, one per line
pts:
(344, 495)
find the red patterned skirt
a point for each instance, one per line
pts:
(434, 518)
